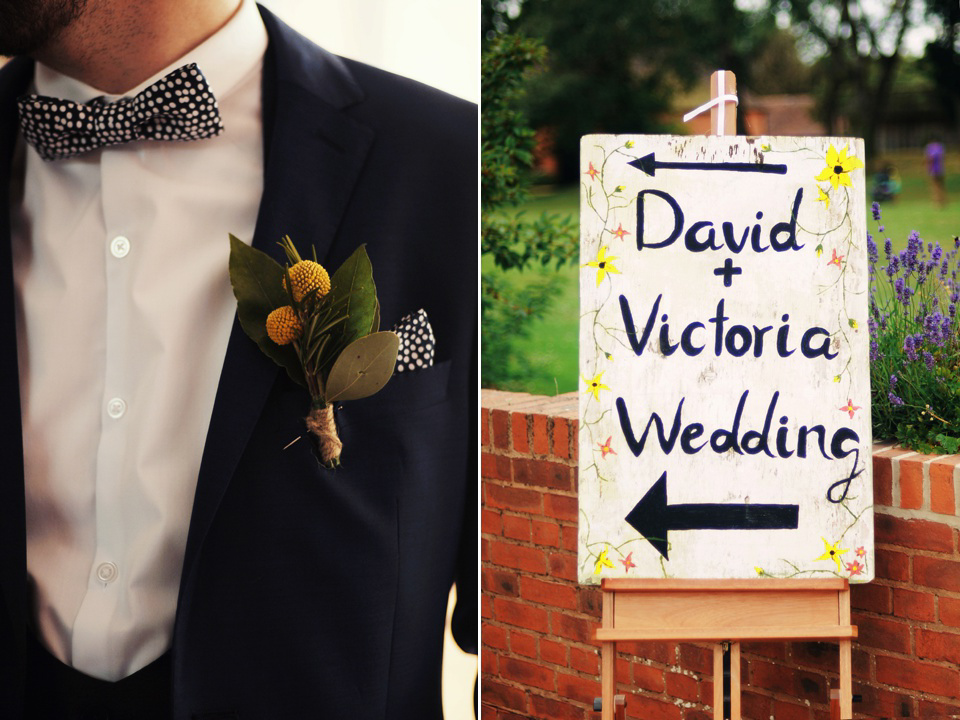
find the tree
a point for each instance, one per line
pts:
(777, 68)
(615, 66)
(942, 58)
(510, 241)
(860, 53)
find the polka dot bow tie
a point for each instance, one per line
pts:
(180, 106)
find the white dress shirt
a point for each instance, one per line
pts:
(124, 312)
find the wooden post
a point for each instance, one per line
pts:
(723, 115)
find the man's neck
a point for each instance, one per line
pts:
(117, 44)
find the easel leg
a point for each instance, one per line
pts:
(607, 679)
(846, 681)
(735, 681)
(718, 682)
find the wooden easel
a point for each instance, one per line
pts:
(725, 611)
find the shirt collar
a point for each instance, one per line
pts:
(225, 58)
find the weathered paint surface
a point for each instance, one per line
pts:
(724, 358)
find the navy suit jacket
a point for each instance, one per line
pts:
(308, 592)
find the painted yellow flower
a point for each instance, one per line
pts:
(595, 386)
(629, 144)
(819, 249)
(838, 167)
(759, 570)
(603, 264)
(832, 552)
(853, 324)
(823, 197)
(602, 562)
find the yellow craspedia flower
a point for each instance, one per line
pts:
(283, 325)
(306, 277)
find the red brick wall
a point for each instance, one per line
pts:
(538, 656)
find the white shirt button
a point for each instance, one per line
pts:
(120, 246)
(116, 408)
(107, 572)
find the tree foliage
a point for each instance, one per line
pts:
(860, 56)
(942, 57)
(513, 243)
(614, 66)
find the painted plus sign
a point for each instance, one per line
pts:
(728, 271)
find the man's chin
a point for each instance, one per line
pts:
(27, 26)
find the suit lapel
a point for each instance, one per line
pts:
(13, 561)
(313, 154)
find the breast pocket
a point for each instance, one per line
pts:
(408, 391)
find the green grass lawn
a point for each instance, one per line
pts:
(552, 344)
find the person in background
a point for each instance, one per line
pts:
(166, 550)
(934, 153)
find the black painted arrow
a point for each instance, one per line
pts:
(653, 518)
(649, 164)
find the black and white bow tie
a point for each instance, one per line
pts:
(179, 106)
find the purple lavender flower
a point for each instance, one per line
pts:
(888, 248)
(893, 266)
(893, 381)
(874, 351)
(952, 310)
(872, 253)
(875, 209)
(928, 359)
(909, 347)
(894, 400)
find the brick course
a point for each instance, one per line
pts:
(539, 659)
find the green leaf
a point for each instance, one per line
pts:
(376, 318)
(353, 294)
(257, 284)
(363, 367)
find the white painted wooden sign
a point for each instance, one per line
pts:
(725, 405)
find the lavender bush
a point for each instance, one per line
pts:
(914, 343)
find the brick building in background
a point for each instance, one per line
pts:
(538, 656)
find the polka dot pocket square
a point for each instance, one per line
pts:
(416, 342)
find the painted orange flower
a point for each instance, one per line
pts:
(605, 448)
(854, 568)
(836, 259)
(850, 408)
(592, 172)
(628, 562)
(620, 233)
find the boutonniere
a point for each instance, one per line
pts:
(324, 331)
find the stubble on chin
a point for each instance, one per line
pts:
(27, 26)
